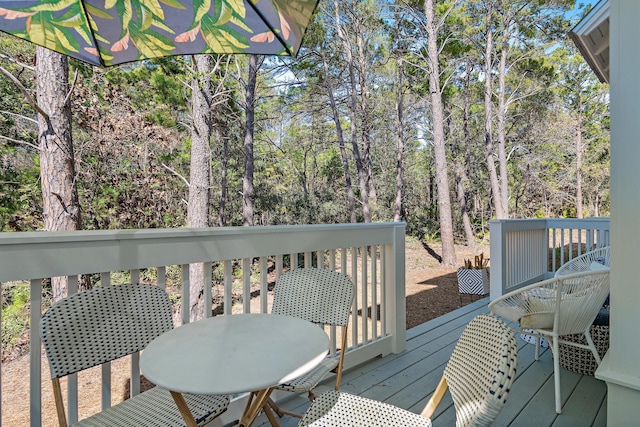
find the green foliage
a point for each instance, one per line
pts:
(132, 127)
(15, 315)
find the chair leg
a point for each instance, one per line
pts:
(556, 372)
(592, 347)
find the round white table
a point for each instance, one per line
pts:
(233, 354)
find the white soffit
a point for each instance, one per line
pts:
(591, 37)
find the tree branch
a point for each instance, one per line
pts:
(73, 85)
(20, 116)
(28, 144)
(10, 59)
(177, 174)
(24, 91)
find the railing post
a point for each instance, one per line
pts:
(396, 292)
(498, 262)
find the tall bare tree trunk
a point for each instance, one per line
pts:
(353, 108)
(502, 133)
(199, 175)
(60, 203)
(222, 136)
(488, 114)
(463, 168)
(442, 179)
(397, 206)
(343, 151)
(366, 121)
(247, 180)
(579, 202)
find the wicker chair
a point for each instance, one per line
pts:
(563, 305)
(319, 296)
(478, 375)
(585, 262)
(97, 326)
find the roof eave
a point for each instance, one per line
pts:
(596, 55)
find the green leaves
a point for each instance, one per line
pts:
(129, 30)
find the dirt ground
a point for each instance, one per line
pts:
(431, 289)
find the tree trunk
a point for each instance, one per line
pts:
(366, 121)
(222, 137)
(199, 175)
(353, 109)
(579, 201)
(343, 151)
(247, 180)
(501, 119)
(60, 204)
(488, 113)
(442, 180)
(397, 206)
(463, 168)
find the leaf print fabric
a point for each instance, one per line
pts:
(110, 32)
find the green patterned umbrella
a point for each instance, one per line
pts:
(110, 32)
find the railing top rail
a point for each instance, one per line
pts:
(584, 223)
(33, 255)
(30, 237)
(541, 223)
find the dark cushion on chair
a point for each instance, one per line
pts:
(602, 319)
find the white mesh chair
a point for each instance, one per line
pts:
(318, 296)
(563, 305)
(97, 326)
(478, 375)
(588, 261)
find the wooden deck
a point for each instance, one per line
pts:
(409, 378)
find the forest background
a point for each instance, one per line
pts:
(443, 115)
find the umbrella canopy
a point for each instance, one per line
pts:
(110, 32)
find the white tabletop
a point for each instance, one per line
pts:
(233, 354)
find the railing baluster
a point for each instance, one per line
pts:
(374, 291)
(105, 278)
(354, 278)
(72, 380)
(161, 272)
(185, 298)
(308, 260)
(332, 259)
(35, 343)
(228, 287)
(383, 290)
(264, 284)
(365, 295)
(279, 265)
(246, 285)
(207, 289)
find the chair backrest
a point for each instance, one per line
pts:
(316, 295)
(581, 298)
(585, 262)
(96, 326)
(481, 370)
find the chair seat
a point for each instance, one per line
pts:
(311, 379)
(334, 408)
(156, 408)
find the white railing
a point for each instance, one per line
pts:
(371, 254)
(524, 251)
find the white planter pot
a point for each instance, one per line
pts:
(473, 281)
